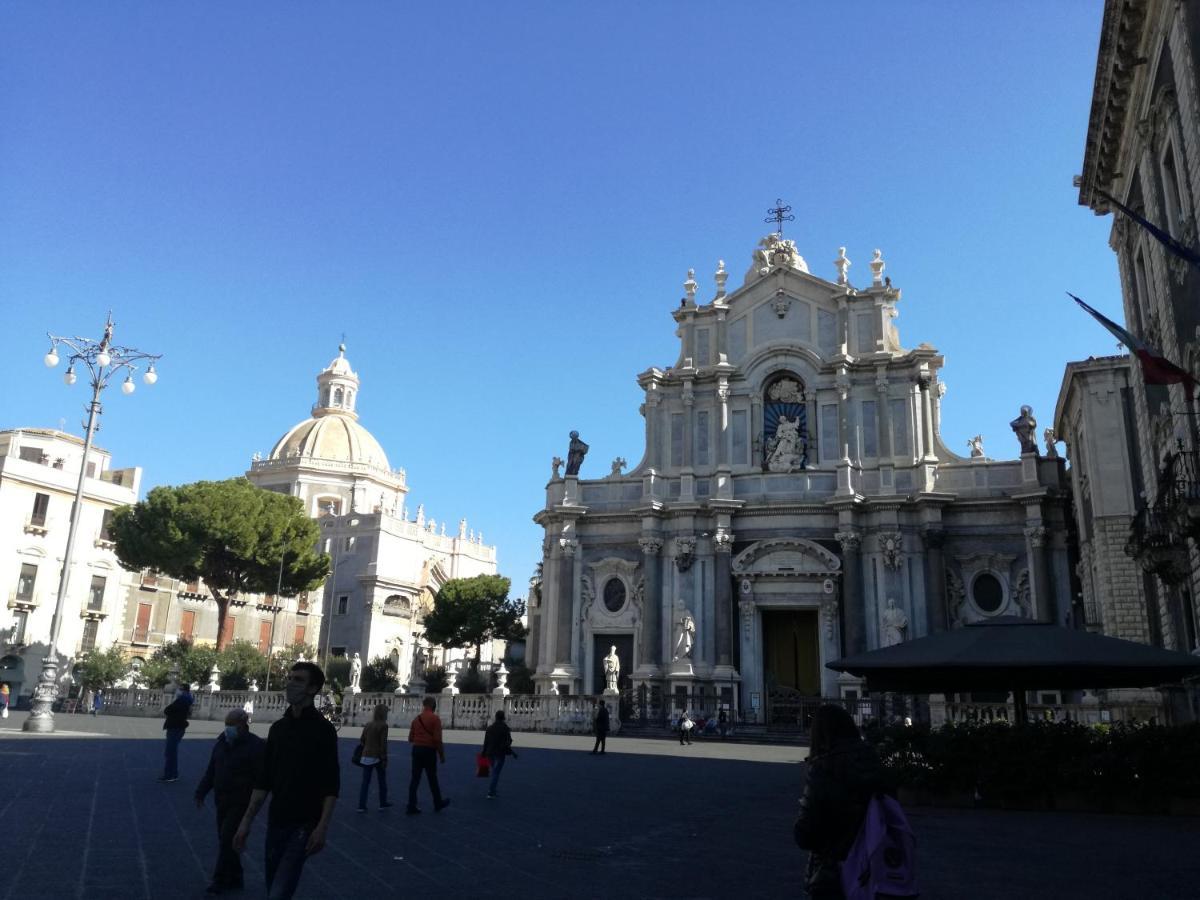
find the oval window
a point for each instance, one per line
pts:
(614, 594)
(988, 593)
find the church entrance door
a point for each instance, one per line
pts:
(791, 664)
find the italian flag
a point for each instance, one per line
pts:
(1156, 368)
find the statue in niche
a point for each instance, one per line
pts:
(612, 669)
(575, 454)
(785, 449)
(685, 637)
(1024, 427)
(976, 445)
(894, 624)
(555, 465)
(355, 673)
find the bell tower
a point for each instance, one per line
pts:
(337, 388)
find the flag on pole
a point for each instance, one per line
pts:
(1175, 246)
(1156, 368)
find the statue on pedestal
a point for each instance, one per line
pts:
(685, 637)
(575, 454)
(894, 624)
(355, 674)
(612, 669)
(1024, 427)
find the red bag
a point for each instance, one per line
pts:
(483, 768)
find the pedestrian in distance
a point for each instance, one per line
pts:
(497, 746)
(233, 768)
(425, 735)
(685, 728)
(5, 697)
(98, 703)
(722, 722)
(374, 757)
(89, 699)
(300, 772)
(175, 723)
(843, 774)
(600, 727)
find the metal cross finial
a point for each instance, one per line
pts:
(779, 215)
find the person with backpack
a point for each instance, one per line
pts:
(844, 775)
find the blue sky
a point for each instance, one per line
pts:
(498, 204)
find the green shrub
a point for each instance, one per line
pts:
(435, 679)
(379, 675)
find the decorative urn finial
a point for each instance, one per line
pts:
(877, 266)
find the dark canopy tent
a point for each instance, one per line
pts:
(1009, 653)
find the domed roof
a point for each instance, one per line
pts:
(332, 437)
(340, 365)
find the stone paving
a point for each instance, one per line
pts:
(85, 818)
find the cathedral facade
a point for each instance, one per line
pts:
(794, 503)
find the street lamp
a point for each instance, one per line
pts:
(327, 614)
(103, 359)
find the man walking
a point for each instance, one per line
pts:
(497, 746)
(300, 772)
(600, 726)
(425, 735)
(175, 723)
(232, 770)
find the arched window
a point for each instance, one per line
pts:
(349, 399)
(785, 425)
(337, 396)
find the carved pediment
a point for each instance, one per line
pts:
(786, 557)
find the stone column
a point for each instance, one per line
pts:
(927, 450)
(722, 422)
(566, 600)
(756, 432)
(689, 424)
(723, 595)
(854, 633)
(935, 541)
(549, 606)
(651, 601)
(1039, 566)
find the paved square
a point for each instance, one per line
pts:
(84, 817)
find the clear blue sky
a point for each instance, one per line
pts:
(498, 203)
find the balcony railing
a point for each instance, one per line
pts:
(22, 600)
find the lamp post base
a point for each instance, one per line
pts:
(41, 718)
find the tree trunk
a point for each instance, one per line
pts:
(222, 612)
(478, 652)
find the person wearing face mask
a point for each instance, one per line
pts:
(233, 767)
(300, 772)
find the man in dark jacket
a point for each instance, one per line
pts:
(233, 767)
(600, 726)
(844, 773)
(497, 746)
(175, 723)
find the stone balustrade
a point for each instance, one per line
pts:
(957, 713)
(523, 712)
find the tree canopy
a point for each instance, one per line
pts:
(237, 537)
(470, 612)
(102, 668)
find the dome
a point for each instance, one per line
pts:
(333, 437)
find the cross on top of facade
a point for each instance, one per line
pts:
(779, 214)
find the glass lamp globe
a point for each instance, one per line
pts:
(150, 376)
(51, 358)
(69, 375)
(128, 387)
(103, 359)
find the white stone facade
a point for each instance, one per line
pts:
(388, 560)
(1143, 148)
(793, 480)
(39, 471)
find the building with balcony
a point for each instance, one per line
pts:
(39, 470)
(1143, 149)
(387, 561)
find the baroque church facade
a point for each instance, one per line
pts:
(387, 562)
(795, 503)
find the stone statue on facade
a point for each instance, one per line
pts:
(555, 465)
(1051, 439)
(612, 669)
(976, 445)
(575, 454)
(685, 637)
(617, 465)
(786, 391)
(895, 624)
(775, 250)
(785, 449)
(355, 674)
(1024, 427)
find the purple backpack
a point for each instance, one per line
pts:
(882, 860)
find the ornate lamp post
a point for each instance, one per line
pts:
(327, 613)
(103, 361)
